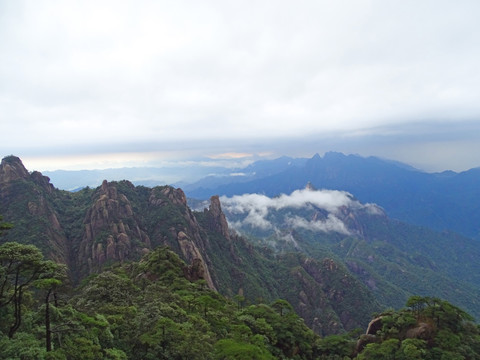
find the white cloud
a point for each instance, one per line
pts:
(330, 224)
(254, 209)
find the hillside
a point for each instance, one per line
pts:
(394, 260)
(151, 309)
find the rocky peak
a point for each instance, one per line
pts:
(112, 232)
(43, 181)
(176, 196)
(216, 218)
(12, 169)
(108, 190)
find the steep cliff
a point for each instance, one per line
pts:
(112, 232)
(28, 201)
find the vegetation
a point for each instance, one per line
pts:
(395, 260)
(140, 310)
(149, 310)
(429, 328)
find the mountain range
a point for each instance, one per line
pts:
(441, 201)
(335, 258)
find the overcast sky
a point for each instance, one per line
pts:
(92, 84)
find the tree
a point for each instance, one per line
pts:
(49, 282)
(230, 349)
(417, 304)
(282, 306)
(4, 225)
(20, 266)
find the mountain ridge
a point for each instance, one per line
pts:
(441, 201)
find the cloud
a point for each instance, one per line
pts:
(254, 210)
(233, 75)
(330, 224)
(231, 155)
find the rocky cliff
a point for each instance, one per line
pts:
(112, 232)
(27, 200)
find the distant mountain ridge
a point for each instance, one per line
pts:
(190, 175)
(446, 200)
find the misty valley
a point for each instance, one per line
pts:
(333, 257)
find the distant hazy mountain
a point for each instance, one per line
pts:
(258, 170)
(446, 200)
(188, 176)
(147, 176)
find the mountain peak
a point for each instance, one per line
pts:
(217, 220)
(333, 154)
(12, 169)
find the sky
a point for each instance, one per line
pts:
(100, 84)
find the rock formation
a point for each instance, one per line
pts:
(112, 232)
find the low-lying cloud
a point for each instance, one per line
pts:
(331, 223)
(254, 210)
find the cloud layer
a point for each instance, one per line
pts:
(219, 77)
(255, 210)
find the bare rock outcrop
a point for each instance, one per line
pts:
(12, 168)
(216, 218)
(422, 331)
(185, 232)
(374, 326)
(30, 193)
(112, 232)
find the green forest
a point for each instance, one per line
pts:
(148, 309)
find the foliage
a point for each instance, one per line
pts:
(20, 266)
(4, 225)
(149, 310)
(429, 328)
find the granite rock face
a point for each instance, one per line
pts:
(112, 232)
(103, 227)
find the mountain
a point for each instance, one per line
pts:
(394, 259)
(257, 170)
(446, 200)
(190, 175)
(334, 258)
(118, 222)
